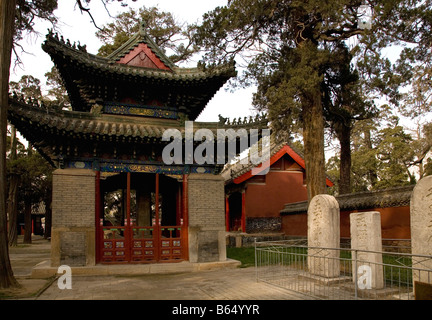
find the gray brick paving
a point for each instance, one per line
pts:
(222, 284)
(226, 284)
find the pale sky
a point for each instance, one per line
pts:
(78, 27)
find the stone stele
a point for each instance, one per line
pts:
(365, 238)
(323, 233)
(421, 229)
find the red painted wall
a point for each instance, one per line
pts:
(294, 224)
(280, 188)
(143, 56)
(395, 223)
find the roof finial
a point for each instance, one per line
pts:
(143, 26)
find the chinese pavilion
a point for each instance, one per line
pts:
(114, 199)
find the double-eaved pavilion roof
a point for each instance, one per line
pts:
(121, 107)
(137, 73)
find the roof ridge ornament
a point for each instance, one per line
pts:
(260, 118)
(143, 27)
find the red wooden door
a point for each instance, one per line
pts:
(132, 243)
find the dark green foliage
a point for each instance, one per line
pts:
(35, 177)
(294, 52)
(34, 172)
(29, 11)
(289, 51)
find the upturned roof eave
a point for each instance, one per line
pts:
(84, 123)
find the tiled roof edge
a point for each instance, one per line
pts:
(386, 198)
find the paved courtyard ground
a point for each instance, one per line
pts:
(223, 284)
(227, 284)
(188, 295)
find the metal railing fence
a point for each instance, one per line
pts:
(340, 273)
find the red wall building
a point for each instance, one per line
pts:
(393, 205)
(254, 202)
(277, 201)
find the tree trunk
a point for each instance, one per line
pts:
(313, 135)
(373, 175)
(13, 210)
(7, 16)
(27, 222)
(12, 204)
(27, 211)
(344, 135)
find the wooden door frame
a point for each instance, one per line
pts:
(128, 225)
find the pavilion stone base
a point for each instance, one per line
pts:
(73, 218)
(206, 208)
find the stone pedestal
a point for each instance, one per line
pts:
(206, 209)
(421, 229)
(73, 218)
(366, 235)
(323, 233)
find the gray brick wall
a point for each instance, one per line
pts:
(73, 202)
(206, 201)
(73, 248)
(73, 220)
(206, 208)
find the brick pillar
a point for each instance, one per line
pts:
(206, 209)
(73, 218)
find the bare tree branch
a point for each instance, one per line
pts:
(87, 10)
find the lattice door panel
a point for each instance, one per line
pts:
(143, 247)
(114, 245)
(171, 243)
(134, 244)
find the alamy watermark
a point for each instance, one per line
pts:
(65, 280)
(212, 149)
(364, 280)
